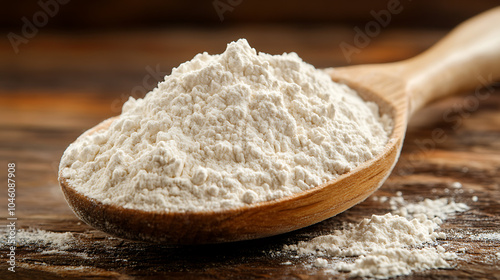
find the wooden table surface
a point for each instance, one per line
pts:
(59, 85)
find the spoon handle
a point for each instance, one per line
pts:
(467, 58)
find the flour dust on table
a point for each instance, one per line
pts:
(387, 245)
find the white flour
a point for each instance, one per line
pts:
(486, 236)
(386, 246)
(431, 208)
(227, 130)
(374, 234)
(38, 237)
(394, 262)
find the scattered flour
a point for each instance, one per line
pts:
(320, 262)
(440, 208)
(38, 237)
(374, 234)
(462, 250)
(397, 261)
(49, 243)
(386, 246)
(486, 236)
(224, 131)
(82, 255)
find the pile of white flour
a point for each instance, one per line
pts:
(386, 246)
(227, 130)
(382, 245)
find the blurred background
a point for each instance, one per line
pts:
(110, 47)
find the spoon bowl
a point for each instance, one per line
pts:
(470, 52)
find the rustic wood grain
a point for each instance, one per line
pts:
(60, 85)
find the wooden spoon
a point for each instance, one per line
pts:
(463, 60)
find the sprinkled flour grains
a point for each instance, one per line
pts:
(227, 130)
(385, 246)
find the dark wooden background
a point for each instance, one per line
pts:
(84, 64)
(117, 14)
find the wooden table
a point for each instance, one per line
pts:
(62, 84)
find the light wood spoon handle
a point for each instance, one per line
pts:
(466, 58)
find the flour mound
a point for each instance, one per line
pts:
(227, 130)
(385, 246)
(372, 235)
(392, 262)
